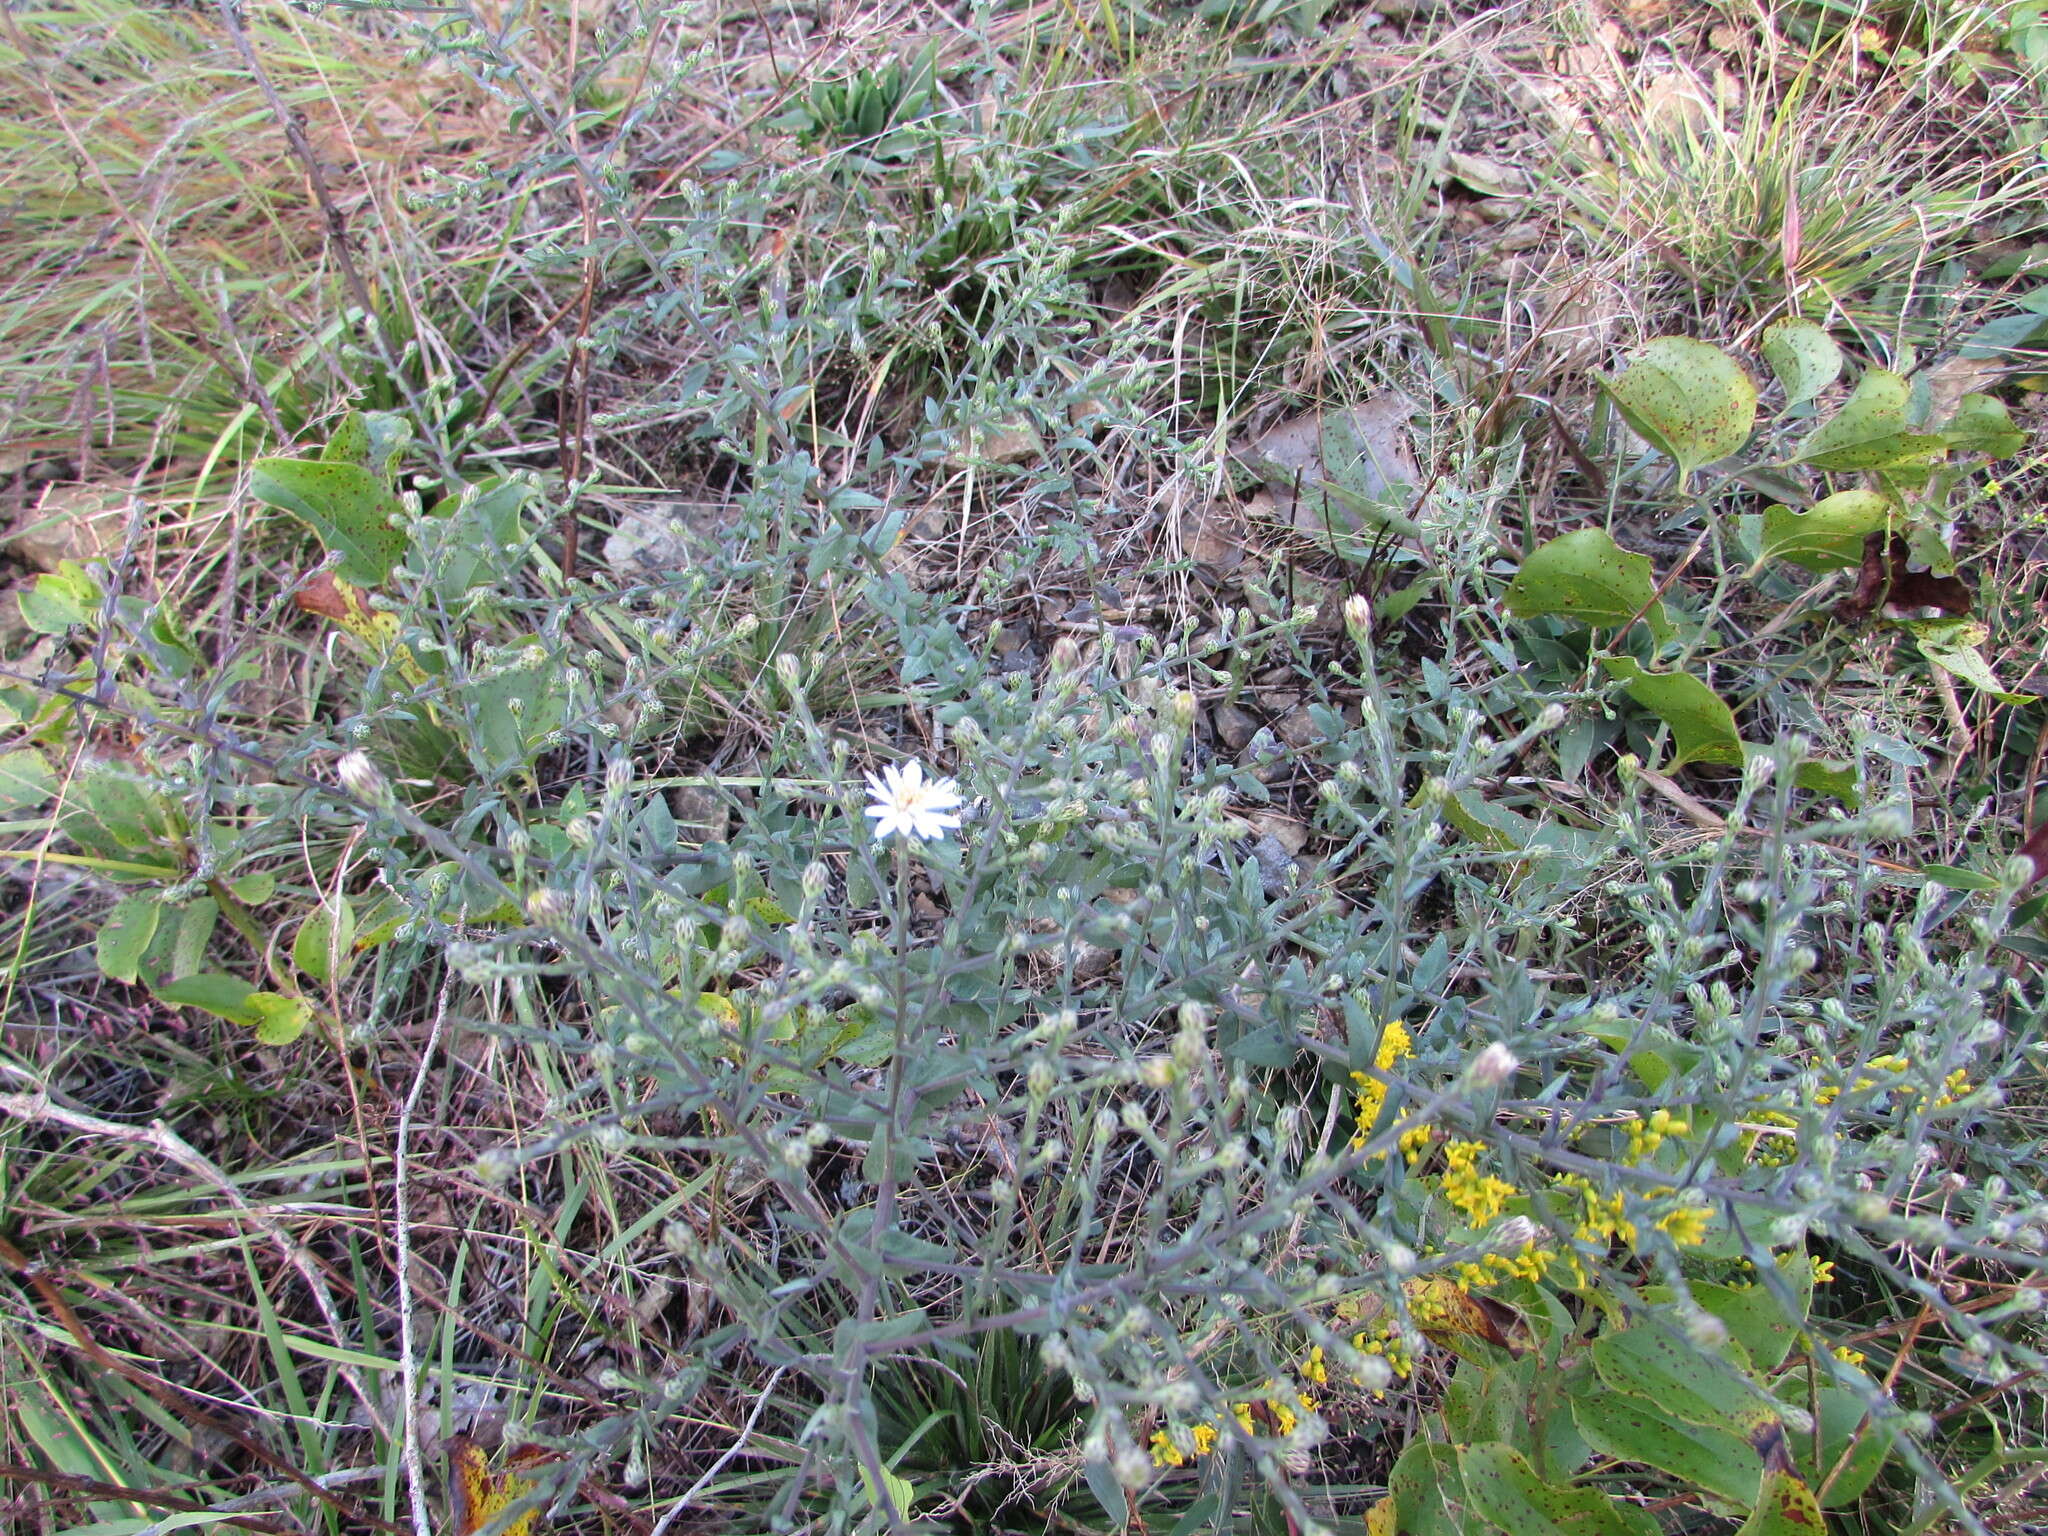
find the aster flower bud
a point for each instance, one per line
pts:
(548, 906)
(1494, 1066)
(1358, 618)
(817, 879)
(363, 778)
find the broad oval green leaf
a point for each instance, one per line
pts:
(1688, 399)
(347, 507)
(350, 443)
(275, 1018)
(1690, 1384)
(1804, 358)
(1787, 1508)
(26, 780)
(1588, 577)
(1852, 1449)
(225, 997)
(1702, 726)
(125, 935)
(1426, 1487)
(1981, 425)
(279, 1020)
(325, 946)
(1829, 535)
(65, 597)
(1505, 1490)
(1756, 1319)
(195, 931)
(254, 888)
(1635, 1429)
(1869, 431)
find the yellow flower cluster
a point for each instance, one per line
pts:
(1531, 1262)
(1953, 1087)
(1371, 1093)
(1479, 1197)
(1599, 1217)
(1385, 1341)
(1772, 1151)
(1170, 1452)
(1647, 1135)
(1685, 1225)
(1277, 1407)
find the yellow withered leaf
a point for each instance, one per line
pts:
(479, 1495)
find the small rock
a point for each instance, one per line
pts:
(1276, 866)
(1234, 728)
(1675, 105)
(1009, 442)
(1284, 830)
(1498, 210)
(1523, 236)
(701, 814)
(1296, 728)
(1487, 177)
(1213, 536)
(1361, 453)
(70, 522)
(664, 538)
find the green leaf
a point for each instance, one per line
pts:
(1959, 879)
(350, 443)
(1505, 1490)
(26, 780)
(1109, 1493)
(124, 936)
(767, 911)
(346, 505)
(1702, 726)
(109, 810)
(1424, 1485)
(279, 1020)
(1821, 777)
(1829, 535)
(1690, 400)
(1803, 356)
(1684, 1381)
(1588, 577)
(225, 997)
(195, 932)
(1842, 1431)
(1869, 432)
(1635, 1429)
(65, 597)
(275, 1018)
(1980, 425)
(1952, 644)
(1754, 1317)
(1787, 1508)
(254, 889)
(325, 947)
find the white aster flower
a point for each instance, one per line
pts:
(907, 802)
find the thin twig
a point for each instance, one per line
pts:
(408, 1365)
(761, 1401)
